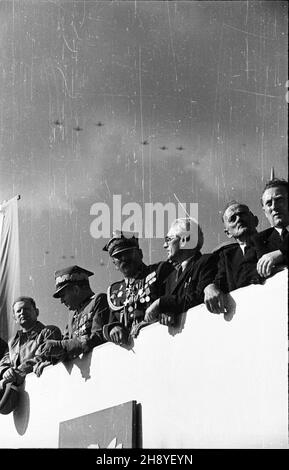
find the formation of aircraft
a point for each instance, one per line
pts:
(59, 123)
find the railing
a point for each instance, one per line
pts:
(215, 382)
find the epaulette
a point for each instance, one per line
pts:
(116, 295)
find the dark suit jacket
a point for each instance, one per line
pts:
(187, 291)
(270, 240)
(3, 347)
(236, 270)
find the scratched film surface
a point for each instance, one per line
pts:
(154, 101)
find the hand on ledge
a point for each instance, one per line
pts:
(267, 263)
(117, 335)
(214, 299)
(152, 312)
(38, 368)
(167, 319)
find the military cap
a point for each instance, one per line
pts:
(70, 276)
(121, 241)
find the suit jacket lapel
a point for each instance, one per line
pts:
(184, 274)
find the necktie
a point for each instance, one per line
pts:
(283, 233)
(246, 248)
(179, 272)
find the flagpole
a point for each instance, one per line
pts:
(6, 202)
(272, 175)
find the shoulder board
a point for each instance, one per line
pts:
(93, 300)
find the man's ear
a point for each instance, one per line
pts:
(183, 242)
(229, 235)
(256, 221)
(37, 311)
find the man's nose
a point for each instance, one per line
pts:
(274, 204)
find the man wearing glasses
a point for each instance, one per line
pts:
(192, 272)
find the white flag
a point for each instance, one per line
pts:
(9, 265)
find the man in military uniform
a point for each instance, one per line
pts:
(129, 298)
(26, 348)
(89, 313)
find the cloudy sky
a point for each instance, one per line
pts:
(203, 84)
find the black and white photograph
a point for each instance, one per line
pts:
(143, 227)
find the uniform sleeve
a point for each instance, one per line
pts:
(100, 318)
(66, 333)
(83, 344)
(113, 320)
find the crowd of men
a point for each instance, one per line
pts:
(150, 293)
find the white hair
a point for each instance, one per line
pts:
(189, 231)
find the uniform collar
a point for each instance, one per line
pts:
(84, 302)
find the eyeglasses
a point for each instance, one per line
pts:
(170, 239)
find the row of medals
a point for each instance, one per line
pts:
(142, 294)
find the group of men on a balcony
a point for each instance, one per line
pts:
(151, 293)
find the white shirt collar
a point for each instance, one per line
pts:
(243, 246)
(279, 230)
